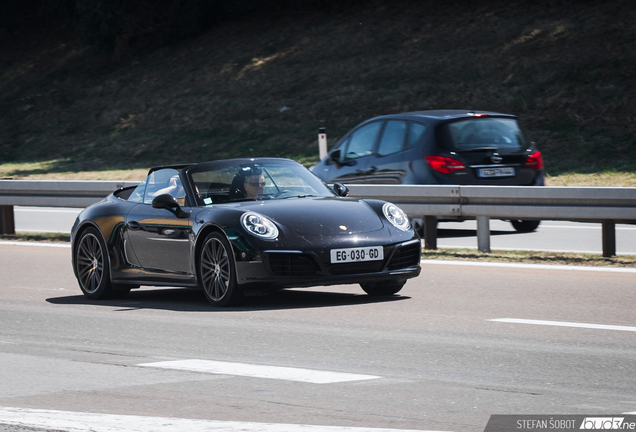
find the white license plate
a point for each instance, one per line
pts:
(496, 172)
(371, 253)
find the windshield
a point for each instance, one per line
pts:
(483, 134)
(254, 179)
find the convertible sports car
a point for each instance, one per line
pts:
(238, 226)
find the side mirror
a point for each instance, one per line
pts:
(168, 202)
(335, 155)
(340, 189)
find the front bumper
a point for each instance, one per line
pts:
(287, 269)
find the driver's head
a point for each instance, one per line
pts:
(254, 185)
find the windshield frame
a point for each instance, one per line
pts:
(219, 192)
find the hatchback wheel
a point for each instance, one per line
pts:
(525, 226)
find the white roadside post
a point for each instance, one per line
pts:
(322, 143)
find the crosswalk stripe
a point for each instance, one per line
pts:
(564, 324)
(260, 371)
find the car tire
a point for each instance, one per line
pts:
(92, 266)
(217, 271)
(525, 226)
(382, 288)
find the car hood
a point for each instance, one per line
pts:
(319, 216)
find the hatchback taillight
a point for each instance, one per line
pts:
(535, 160)
(444, 164)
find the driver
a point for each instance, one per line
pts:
(253, 185)
(248, 183)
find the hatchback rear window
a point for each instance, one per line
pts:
(484, 133)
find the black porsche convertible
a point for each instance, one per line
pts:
(238, 226)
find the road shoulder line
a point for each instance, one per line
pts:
(79, 421)
(531, 266)
(27, 243)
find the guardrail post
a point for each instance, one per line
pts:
(7, 222)
(483, 233)
(430, 232)
(609, 238)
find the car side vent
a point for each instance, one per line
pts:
(290, 264)
(406, 256)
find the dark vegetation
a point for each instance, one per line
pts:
(89, 85)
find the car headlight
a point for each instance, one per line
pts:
(396, 216)
(259, 226)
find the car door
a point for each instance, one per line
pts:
(356, 154)
(158, 238)
(388, 165)
(393, 162)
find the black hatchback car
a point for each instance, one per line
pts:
(446, 147)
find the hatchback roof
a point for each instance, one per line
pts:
(446, 114)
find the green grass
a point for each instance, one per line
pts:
(531, 257)
(37, 237)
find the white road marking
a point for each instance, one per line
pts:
(24, 209)
(260, 371)
(532, 266)
(564, 324)
(595, 227)
(65, 231)
(591, 252)
(88, 422)
(26, 243)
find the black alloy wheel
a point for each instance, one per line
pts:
(217, 274)
(92, 267)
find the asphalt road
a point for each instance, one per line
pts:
(556, 236)
(431, 358)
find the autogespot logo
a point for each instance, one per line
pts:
(560, 423)
(606, 423)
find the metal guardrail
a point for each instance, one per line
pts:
(57, 193)
(508, 202)
(586, 204)
(591, 204)
(51, 193)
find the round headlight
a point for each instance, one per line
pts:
(396, 216)
(259, 226)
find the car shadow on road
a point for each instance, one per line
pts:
(193, 300)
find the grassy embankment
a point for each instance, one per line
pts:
(262, 85)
